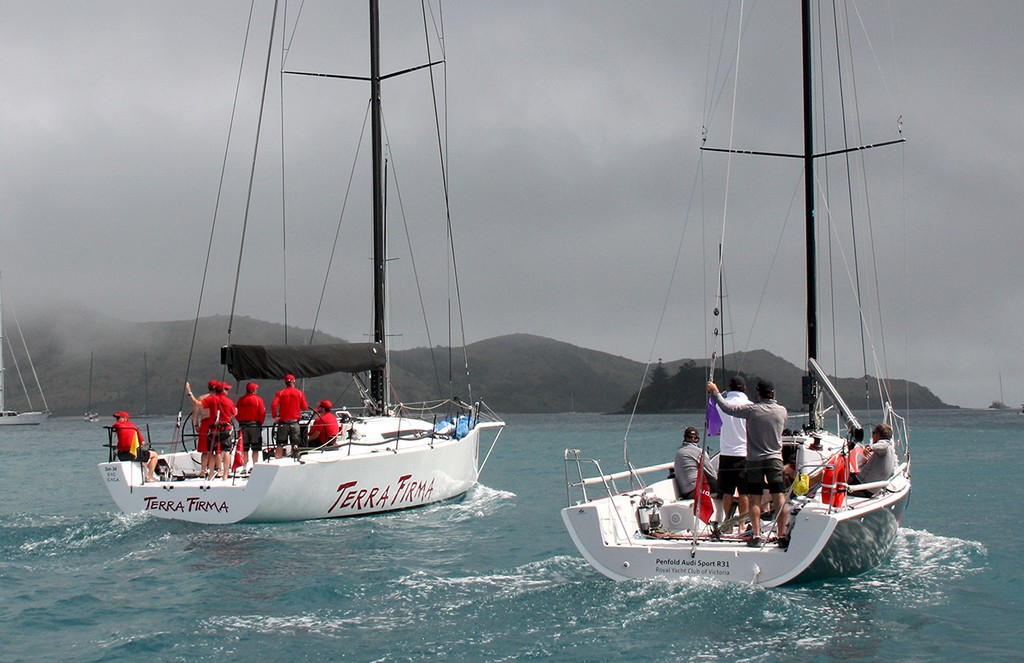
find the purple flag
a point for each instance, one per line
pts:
(714, 419)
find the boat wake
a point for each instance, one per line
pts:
(31, 536)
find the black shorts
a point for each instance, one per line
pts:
(765, 473)
(142, 455)
(730, 475)
(252, 440)
(288, 431)
(220, 438)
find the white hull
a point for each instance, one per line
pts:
(370, 476)
(824, 542)
(23, 418)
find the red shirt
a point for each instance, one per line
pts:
(126, 432)
(251, 408)
(219, 409)
(288, 404)
(325, 427)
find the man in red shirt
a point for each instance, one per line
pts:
(251, 415)
(221, 432)
(324, 427)
(129, 444)
(286, 408)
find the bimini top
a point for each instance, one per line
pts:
(248, 362)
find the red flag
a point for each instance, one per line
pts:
(703, 507)
(239, 459)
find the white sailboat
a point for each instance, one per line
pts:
(647, 531)
(389, 457)
(12, 417)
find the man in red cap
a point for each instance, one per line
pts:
(251, 415)
(216, 410)
(129, 444)
(324, 428)
(221, 431)
(201, 421)
(286, 408)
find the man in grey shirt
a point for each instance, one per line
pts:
(766, 420)
(687, 460)
(878, 463)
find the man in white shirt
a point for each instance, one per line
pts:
(733, 450)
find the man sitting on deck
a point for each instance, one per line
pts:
(129, 444)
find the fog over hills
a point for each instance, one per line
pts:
(142, 367)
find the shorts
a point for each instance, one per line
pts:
(142, 455)
(764, 473)
(287, 431)
(730, 475)
(252, 440)
(220, 439)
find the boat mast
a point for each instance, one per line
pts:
(811, 390)
(377, 390)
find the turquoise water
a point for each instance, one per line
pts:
(492, 576)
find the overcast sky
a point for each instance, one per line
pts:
(573, 134)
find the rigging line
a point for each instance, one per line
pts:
(868, 212)
(771, 267)
(874, 54)
(664, 307)
(31, 365)
(450, 248)
(216, 209)
(252, 172)
(442, 147)
(849, 177)
(17, 369)
(860, 311)
(728, 176)
(285, 49)
(825, 193)
(712, 104)
(337, 229)
(412, 255)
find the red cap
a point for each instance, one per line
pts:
(121, 414)
(289, 378)
(325, 405)
(212, 384)
(251, 387)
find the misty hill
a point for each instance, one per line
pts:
(141, 367)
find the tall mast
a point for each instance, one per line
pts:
(810, 387)
(377, 390)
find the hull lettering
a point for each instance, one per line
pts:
(406, 491)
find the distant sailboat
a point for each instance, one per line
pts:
(1000, 404)
(10, 417)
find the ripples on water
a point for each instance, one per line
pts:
(492, 576)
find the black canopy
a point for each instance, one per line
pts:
(248, 362)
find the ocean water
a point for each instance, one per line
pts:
(492, 576)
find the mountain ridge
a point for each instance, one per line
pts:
(140, 367)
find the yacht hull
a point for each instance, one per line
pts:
(336, 483)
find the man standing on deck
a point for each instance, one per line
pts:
(251, 413)
(286, 408)
(765, 421)
(733, 451)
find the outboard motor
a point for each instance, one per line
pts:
(649, 513)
